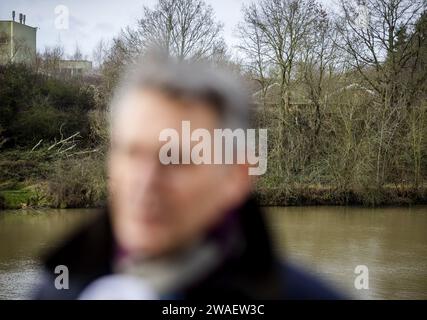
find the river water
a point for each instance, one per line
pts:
(389, 243)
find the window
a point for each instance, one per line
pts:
(4, 39)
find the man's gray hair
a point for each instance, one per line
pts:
(216, 88)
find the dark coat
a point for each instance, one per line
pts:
(256, 273)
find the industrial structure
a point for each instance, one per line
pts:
(18, 45)
(17, 41)
(74, 67)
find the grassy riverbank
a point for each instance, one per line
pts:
(39, 179)
(390, 195)
(21, 196)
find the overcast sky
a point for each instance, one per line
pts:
(93, 20)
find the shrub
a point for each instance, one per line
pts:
(77, 183)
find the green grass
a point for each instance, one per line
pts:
(30, 196)
(14, 199)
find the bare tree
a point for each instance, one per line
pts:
(279, 28)
(254, 51)
(373, 32)
(49, 59)
(16, 50)
(99, 53)
(182, 28)
(320, 65)
(274, 33)
(77, 55)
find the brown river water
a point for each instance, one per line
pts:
(330, 242)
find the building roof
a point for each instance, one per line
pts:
(21, 24)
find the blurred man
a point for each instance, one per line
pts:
(175, 231)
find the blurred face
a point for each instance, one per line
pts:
(158, 208)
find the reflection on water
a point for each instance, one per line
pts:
(24, 236)
(330, 241)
